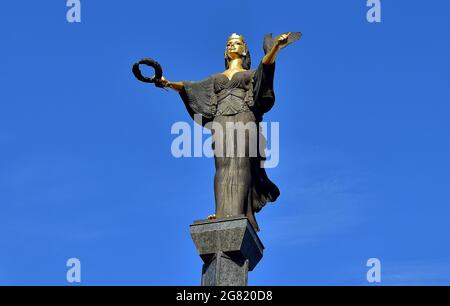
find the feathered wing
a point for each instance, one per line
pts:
(269, 41)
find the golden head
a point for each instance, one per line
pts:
(235, 46)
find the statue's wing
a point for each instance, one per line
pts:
(269, 41)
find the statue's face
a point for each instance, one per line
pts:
(235, 48)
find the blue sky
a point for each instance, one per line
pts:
(86, 169)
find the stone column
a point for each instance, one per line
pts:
(229, 248)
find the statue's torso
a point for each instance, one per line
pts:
(233, 94)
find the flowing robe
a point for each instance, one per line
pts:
(241, 185)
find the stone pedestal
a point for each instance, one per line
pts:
(229, 249)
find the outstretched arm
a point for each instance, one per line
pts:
(282, 42)
(177, 86)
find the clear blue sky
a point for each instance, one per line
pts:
(86, 169)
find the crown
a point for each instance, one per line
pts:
(236, 36)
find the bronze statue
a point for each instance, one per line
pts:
(237, 95)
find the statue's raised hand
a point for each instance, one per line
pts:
(282, 40)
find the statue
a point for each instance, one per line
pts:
(237, 95)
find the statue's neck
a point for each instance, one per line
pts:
(235, 64)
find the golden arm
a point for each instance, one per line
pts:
(270, 57)
(177, 86)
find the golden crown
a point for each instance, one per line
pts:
(236, 36)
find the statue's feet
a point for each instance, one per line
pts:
(212, 217)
